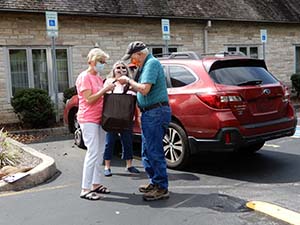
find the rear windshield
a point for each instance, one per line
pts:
(242, 76)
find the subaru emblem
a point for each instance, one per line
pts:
(266, 91)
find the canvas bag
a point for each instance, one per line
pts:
(118, 111)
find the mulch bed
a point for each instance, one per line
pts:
(24, 138)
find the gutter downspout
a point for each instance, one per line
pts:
(205, 39)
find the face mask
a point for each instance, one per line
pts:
(135, 62)
(99, 67)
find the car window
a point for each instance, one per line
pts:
(167, 77)
(180, 76)
(244, 75)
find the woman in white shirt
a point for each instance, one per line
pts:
(119, 69)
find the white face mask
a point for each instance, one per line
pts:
(99, 67)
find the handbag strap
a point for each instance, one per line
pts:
(125, 89)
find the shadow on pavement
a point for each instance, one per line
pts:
(263, 167)
(213, 201)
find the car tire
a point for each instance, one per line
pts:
(176, 147)
(250, 149)
(72, 118)
(78, 139)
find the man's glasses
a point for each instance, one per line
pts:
(120, 67)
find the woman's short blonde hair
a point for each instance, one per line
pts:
(96, 54)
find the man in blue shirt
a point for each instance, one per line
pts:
(152, 99)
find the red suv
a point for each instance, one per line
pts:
(225, 102)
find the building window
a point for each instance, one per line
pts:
(251, 51)
(18, 69)
(159, 51)
(297, 59)
(31, 68)
(62, 69)
(40, 74)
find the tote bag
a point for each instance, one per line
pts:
(118, 112)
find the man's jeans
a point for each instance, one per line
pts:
(126, 141)
(154, 126)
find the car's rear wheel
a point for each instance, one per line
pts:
(78, 139)
(250, 149)
(176, 147)
(72, 118)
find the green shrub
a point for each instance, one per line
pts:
(295, 78)
(33, 107)
(8, 155)
(68, 93)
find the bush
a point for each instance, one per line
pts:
(68, 93)
(295, 78)
(33, 107)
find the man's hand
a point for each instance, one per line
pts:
(123, 79)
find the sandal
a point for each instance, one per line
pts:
(91, 196)
(101, 190)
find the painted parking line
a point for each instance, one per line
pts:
(272, 145)
(275, 211)
(6, 194)
(297, 133)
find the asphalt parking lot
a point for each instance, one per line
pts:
(212, 190)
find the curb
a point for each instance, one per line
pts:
(38, 175)
(52, 131)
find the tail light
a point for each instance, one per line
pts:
(286, 96)
(220, 100)
(227, 138)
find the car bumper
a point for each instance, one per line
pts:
(230, 139)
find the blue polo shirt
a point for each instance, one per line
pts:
(152, 72)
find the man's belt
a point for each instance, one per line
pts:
(153, 106)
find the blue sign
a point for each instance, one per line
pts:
(52, 23)
(165, 28)
(263, 36)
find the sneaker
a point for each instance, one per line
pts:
(107, 173)
(132, 169)
(156, 194)
(146, 188)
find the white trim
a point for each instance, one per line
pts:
(295, 58)
(7, 74)
(30, 67)
(30, 75)
(70, 68)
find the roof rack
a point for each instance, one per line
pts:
(185, 55)
(195, 55)
(231, 53)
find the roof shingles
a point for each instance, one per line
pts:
(245, 10)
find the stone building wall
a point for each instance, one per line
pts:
(114, 34)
